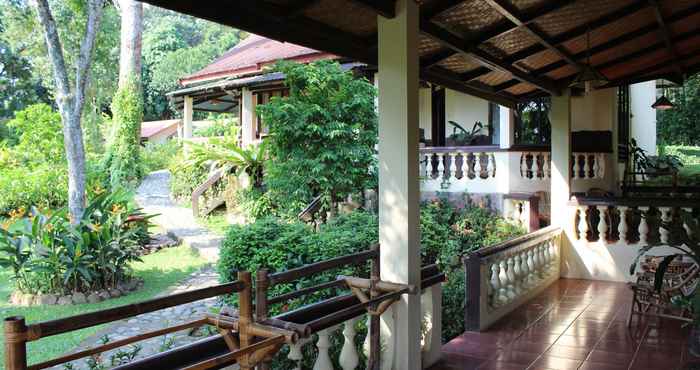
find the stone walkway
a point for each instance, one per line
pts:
(153, 321)
(153, 195)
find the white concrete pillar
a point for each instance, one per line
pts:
(507, 130)
(643, 120)
(560, 118)
(247, 116)
(399, 193)
(187, 113)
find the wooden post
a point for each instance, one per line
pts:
(262, 283)
(472, 308)
(245, 312)
(374, 336)
(15, 343)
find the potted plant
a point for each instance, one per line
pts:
(685, 237)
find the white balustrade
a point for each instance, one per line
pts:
(513, 275)
(441, 166)
(458, 170)
(453, 166)
(626, 230)
(349, 358)
(587, 165)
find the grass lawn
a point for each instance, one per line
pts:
(215, 222)
(159, 271)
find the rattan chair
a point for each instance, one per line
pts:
(680, 280)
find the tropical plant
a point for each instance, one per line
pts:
(225, 153)
(463, 137)
(50, 254)
(653, 165)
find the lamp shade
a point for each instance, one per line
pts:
(588, 78)
(662, 103)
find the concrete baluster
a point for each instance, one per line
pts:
(643, 226)
(583, 224)
(622, 228)
(602, 224)
(689, 228)
(601, 165)
(453, 166)
(524, 271)
(441, 165)
(518, 275)
(503, 276)
(295, 353)
(349, 358)
(495, 284)
(574, 166)
(323, 361)
(531, 267)
(663, 228)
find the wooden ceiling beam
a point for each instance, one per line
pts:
(460, 45)
(447, 79)
(645, 72)
(474, 73)
(385, 8)
(666, 36)
(435, 58)
(509, 11)
(297, 7)
(617, 41)
(434, 8)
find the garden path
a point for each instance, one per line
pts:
(153, 195)
(154, 321)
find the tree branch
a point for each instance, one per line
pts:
(53, 45)
(82, 69)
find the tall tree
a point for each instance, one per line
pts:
(122, 157)
(71, 99)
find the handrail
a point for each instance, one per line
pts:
(77, 322)
(206, 185)
(463, 149)
(521, 242)
(634, 202)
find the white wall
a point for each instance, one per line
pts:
(465, 110)
(643, 121)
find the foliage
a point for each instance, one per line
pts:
(679, 125)
(38, 138)
(447, 233)
(687, 245)
(159, 271)
(323, 135)
(158, 156)
(122, 160)
(222, 125)
(43, 187)
(185, 177)
(48, 254)
(463, 137)
(532, 124)
(653, 165)
(174, 46)
(253, 203)
(224, 153)
(18, 87)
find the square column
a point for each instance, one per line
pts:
(247, 116)
(506, 133)
(399, 192)
(560, 119)
(187, 113)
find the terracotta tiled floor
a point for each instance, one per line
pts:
(575, 324)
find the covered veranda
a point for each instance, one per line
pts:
(503, 51)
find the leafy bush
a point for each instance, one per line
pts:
(323, 135)
(224, 124)
(49, 255)
(185, 177)
(39, 138)
(156, 156)
(43, 187)
(447, 233)
(679, 126)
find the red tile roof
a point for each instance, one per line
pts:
(152, 128)
(250, 56)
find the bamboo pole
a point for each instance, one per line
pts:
(15, 343)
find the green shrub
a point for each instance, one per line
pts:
(38, 136)
(323, 136)
(47, 254)
(43, 187)
(447, 233)
(185, 177)
(223, 124)
(158, 156)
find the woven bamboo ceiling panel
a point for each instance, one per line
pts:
(527, 47)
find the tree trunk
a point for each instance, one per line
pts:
(131, 30)
(70, 101)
